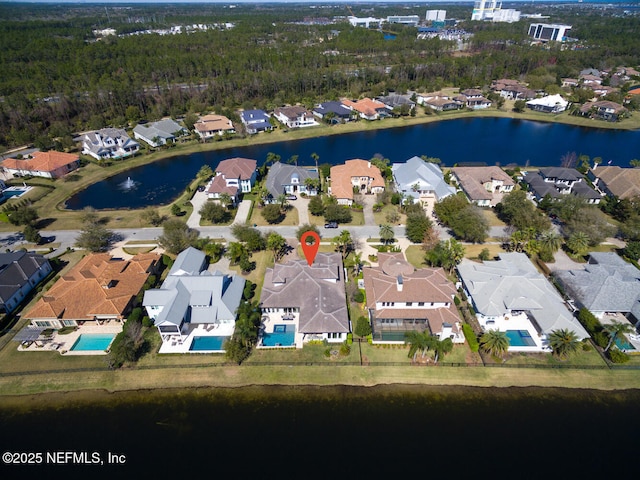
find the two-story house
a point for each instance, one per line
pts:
(483, 186)
(233, 177)
(421, 181)
(359, 175)
(294, 117)
(209, 126)
(290, 180)
(255, 121)
(555, 182)
(401, 299)
(108, 143)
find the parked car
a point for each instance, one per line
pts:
(331, 225)
(291, 197)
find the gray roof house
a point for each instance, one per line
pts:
(420, 180)
(607, 284)
(159, 133)
(108, 143)
(308, 300)
(289, 180)
(558, 181)
(510, 295)
(20, 272)
(193, 303)
(339, 111)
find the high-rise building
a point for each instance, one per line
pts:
(549, 32)
(436, 15)
(491, 10)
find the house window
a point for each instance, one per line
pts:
(421, 304)
(43, 324)
(432, 304)
(409, 304)
(69, 323)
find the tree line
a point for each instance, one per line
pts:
(56, 80)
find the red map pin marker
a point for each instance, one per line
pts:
(310, 251)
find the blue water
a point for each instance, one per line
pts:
(283, 336)
(623, 344)
(12, 193)
(520, 338)
(93, 342)
(491, 141)
(207, 343)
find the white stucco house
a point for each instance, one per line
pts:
(108, 143)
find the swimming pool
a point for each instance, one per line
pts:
(282, 336)
(93, 342)
(623, 344)
(209, 344)
(520, 338)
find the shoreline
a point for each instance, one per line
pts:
(86, 397)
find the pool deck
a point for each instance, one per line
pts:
(270, 320)
(63, 343)
(633, 339)
(520, 322)
(181, 343)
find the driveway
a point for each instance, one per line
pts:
(563, 262)
(198, 200)
(302, 205)
(367, 202)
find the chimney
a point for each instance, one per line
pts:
(399, 283)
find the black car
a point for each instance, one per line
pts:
(331, 225)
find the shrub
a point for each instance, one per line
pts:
(358, 296)
(135, 315)
(66, 330)
(349, 338)
(456, 300)
(327, 352)
(601, 339)
(272, 213)
(147, 322)
(363, 328)
(471, 337)
(589, 322)
(345, 349)
(617, 356)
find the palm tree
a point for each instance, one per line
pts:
(386, 233)
(578, 243)
(282, 200)
(344, 243)
(441, 347)
(316, 157)
(614, 330)
(563, 342)
(293, 160)
(494, 342)
(551, 241)
(418, 342)
(273, 157)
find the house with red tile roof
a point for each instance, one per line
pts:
(98, 288)
(401, 299)
(367, 108)
(355, 174)
(42, 164)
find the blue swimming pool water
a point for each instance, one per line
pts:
(207, 343)
(12, 193)
(283, 336)
(623, 344)
(93, 342)
(520, 338)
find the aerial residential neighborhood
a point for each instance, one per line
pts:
(472, 257)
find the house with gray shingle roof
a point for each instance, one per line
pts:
(510, 295)
(20, 272)
(607, 284)
(420, 180)
(108, 143)
(558, 181)
(159, 133)
(308, 300)
(193, 303)
(286, 179)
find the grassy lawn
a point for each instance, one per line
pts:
(357, 218)
(291, 218)
(492, 218)
(263, 261)
(415, 256)
(381, 216)
(474, 249)
(136, 250)
(581, 357)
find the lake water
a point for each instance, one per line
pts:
(294, 432)
(491, 141)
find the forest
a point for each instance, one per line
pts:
(58, 79)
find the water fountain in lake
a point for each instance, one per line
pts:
(128, 184)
